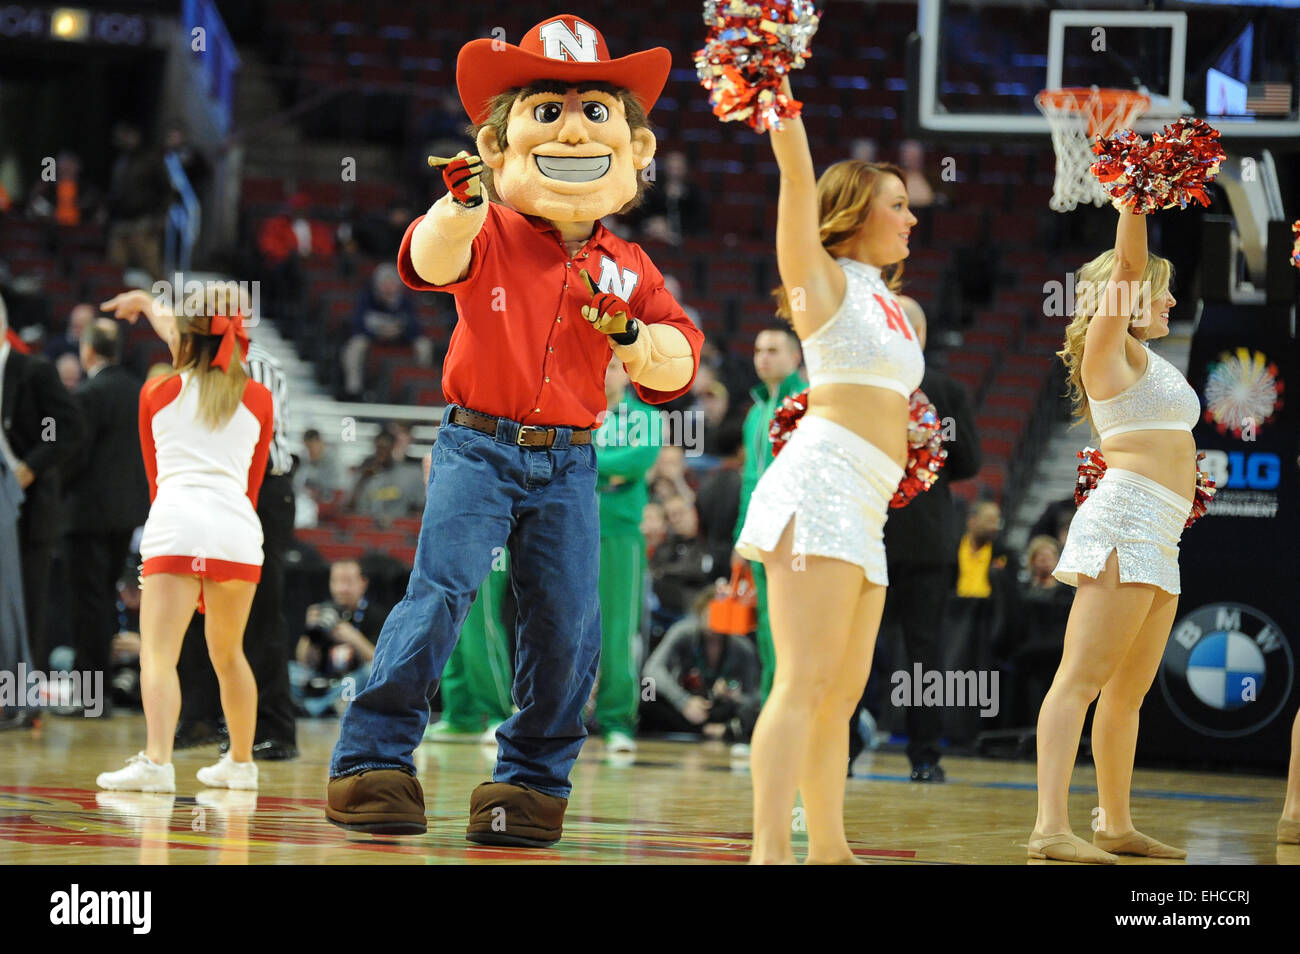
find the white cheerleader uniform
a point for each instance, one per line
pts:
(203, 483)
(835, 485)
(1137, 517)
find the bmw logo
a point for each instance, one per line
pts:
(1227, 670)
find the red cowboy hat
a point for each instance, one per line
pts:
(564, 48)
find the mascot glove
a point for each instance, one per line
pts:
(609, 314)
(461, 175)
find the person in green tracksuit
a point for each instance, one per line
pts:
(627, 445)
(777, 357)
(476, 681)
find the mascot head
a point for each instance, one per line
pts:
(562, 128)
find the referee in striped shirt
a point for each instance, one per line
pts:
(266, 638)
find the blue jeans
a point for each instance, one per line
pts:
(486, 493)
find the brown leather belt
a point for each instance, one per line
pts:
(530, 435)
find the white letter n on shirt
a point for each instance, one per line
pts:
(622, 282)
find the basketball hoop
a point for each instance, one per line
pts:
(1078, 115)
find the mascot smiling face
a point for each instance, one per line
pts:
(562, 128)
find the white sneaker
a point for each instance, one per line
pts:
(228, 774)
(142, 774)
(489, 736)
(620, 743)
(740, 751)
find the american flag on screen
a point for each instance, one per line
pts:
(1269, 99)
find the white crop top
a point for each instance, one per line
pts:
(868, 340)
(1160, 400)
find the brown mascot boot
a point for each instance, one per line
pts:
(379, 801)
(504, 814)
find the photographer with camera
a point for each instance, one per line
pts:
(704, 682)
(338, 645)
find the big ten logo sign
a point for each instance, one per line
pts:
(1244, 471)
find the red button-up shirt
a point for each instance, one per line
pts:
(521, 348)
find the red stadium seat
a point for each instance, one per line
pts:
(330, 552)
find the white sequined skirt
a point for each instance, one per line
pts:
(836, 486)
(1136, 517)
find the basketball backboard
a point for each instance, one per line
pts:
(1234, 64)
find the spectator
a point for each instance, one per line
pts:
(627, 444)
(681, 564)
(125, 649)
(921, 543)
(14, 649)
(713, 404)
(654, 526)
(284, 241)
(138, 195)
(68, 200)
(338, 641)
(911, 157)
(674, 288)
(675, 208)
(719, 497)
(981, 550)
(667, 478)
(106, 494)
(777, 357)
(736, 372)
(40, 430)
(69, 368)
(380, 236)
(977, 615)
(70, 341)
(1035, 636)
(193, 163)
(387, 488)
(385, 315)
(1055, 520)
(319, 472)
(703, 682)
(864, 149)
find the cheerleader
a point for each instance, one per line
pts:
(205, 430)
(816, 519)
(1122, 548)
(1288, 826)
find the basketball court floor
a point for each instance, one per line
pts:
(674, 803)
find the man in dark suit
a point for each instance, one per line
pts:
(106, 495)
(921, 552)
(40, 428)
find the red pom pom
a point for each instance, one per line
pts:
(1091, 469)
(1172, 169)
(786, 419)
(926, 454)
(1204, 494)
(749, 49)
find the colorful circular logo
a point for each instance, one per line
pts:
(1242, 392)
(1227, 671)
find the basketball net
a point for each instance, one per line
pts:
(1078, 115)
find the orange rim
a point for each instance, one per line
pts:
(1105, 109)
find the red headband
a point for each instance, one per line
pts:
(231, 330)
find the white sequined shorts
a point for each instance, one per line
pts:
(836, 486)
(1136, 517)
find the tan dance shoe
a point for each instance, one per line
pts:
(1288, 832)
(1068, 847)
(1135, 843)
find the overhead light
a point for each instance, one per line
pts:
(67, 23)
